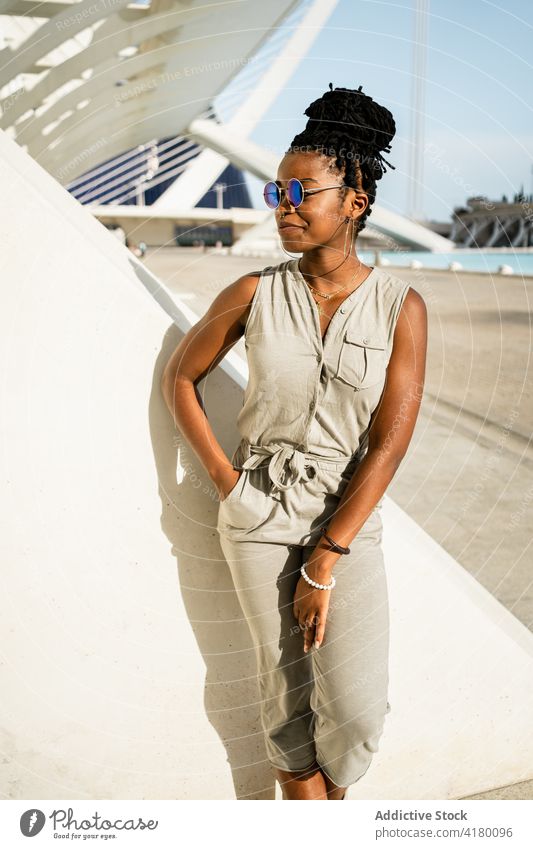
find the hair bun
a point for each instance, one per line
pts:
(354, 114)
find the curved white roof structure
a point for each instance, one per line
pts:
(86, 81)
(119, 72)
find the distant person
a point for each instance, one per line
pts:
(133, 248)
(119, 233)
(336, 353)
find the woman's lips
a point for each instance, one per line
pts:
(289, 228)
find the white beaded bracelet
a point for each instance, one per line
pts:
(314, 584)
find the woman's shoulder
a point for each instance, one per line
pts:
(390, 280)
(395, 289)
(249, 285)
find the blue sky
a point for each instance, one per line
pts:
(478, 94)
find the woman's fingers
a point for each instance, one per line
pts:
(310, 613)
(320, 629)
(309, 633)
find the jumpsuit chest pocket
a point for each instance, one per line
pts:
(362, 359)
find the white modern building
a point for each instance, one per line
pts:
(155, 103)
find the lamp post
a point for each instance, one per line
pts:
(220, 188)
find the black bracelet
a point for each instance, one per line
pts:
(340, 549)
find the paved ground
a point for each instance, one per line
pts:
(467, 478)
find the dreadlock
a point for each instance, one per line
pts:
(347, 124)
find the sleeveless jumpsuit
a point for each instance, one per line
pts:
(304, 428)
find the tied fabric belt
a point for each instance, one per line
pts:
(299, 463)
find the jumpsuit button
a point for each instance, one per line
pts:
(311, 471)
(365, 340)
(342, 309)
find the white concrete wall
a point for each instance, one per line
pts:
(127, 668)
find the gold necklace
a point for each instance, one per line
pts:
(328, 295)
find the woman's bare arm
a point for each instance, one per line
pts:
(200, 351)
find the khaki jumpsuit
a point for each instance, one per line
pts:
(304, 428)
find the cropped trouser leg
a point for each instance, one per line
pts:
(327, 706)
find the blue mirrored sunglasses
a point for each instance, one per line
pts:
(295, 192)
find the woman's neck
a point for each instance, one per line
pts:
(327, 273)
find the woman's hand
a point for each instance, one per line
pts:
(310, 608)
(226, 481)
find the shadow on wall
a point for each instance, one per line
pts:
(188, 519)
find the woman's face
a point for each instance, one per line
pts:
(319, 222)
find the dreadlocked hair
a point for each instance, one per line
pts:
(347, 124)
